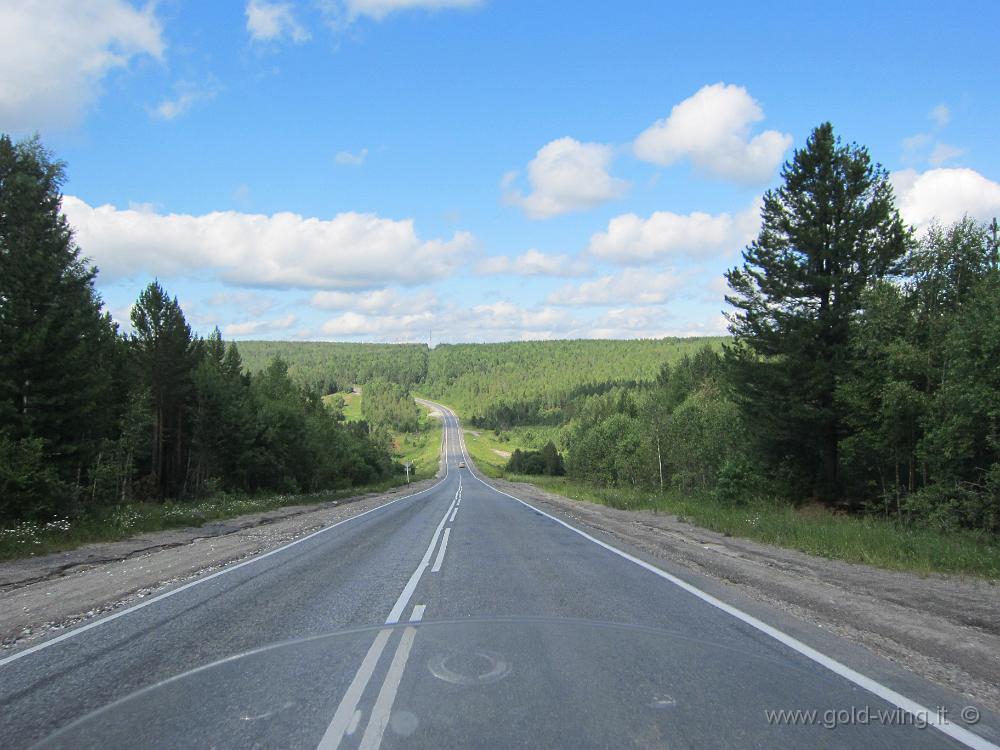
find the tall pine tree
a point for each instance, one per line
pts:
(57, 348)
(165, 353)
(828, 232)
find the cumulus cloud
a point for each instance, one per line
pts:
(341, 11)
(252, 302)
(926, 147)
(945, 195)
(532, 263)
(712, 130)
(270, 22)
(283, 250)
(566, 175)
(630, 286)
(54, 56)
(941, 115)
(632, 239)
(378, 301)
(351, 159)
(186, 95)
(257, 327)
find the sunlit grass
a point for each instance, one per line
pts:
(109, 523)
(858, 539)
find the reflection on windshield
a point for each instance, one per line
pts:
(524, 682)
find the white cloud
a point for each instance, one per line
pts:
(269, 22)
(654, 321)
(630, 286)
(941, 115)
(712, 129)
(379, 301)
(387, 327)
(632, 239)
(943, 153)
(251, 302)
(54, 56)
(379, 9)
(532, 263)
(945, 195)
(925, 147)
(283, 250)
(349, 159)
(186, 96)
(566, 175)
(253, 327)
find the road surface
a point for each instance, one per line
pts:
(463, 618)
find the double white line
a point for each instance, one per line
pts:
(348, 716)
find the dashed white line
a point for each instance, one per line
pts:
(379, 719)
(440, 556)
(942, 724)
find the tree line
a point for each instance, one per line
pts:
(862, 370)
(91, 416)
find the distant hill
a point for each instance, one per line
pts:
(526, 382)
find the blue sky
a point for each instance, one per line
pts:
(381, 169)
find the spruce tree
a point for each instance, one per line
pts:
(57, 348)
(165, 353)
(828, 232)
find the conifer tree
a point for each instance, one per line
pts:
(828, 232)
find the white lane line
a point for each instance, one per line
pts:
(349, 703)
(444, 546)
(933, 718)
(186, 586)
(418, 613)
(454, 513)
(404, 597)
(379, 719)
(346, 717)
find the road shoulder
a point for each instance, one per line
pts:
(943, 628)
(44, 596)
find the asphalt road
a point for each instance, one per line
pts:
(460, 617)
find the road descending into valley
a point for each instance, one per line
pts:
(461, 616)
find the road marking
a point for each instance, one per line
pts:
(444, 546)
(349, 703)
(345, 718)
(454, 513)
(404, 597)
(933, 718)
(418, 613)
(257, 558)
(379, 719)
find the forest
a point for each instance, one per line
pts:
(860, 374)
(91, 417)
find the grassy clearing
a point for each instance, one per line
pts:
(422, 449)
(868, 540)
(483, 446)
(352, 404)
(108, 524)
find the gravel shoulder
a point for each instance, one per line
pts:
(942, 627)
(42, 596)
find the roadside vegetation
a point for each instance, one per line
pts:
(813, 528)
(854, 411)
(103, 432)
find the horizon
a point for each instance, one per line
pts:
(427, 171)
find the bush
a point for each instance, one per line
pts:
(29, 485)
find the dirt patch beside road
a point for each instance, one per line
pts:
(40, 596)
(946, 628)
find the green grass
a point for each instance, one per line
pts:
(482, 446)
(869, 540)
(107, 524)
(352, 404)
(422, 448)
